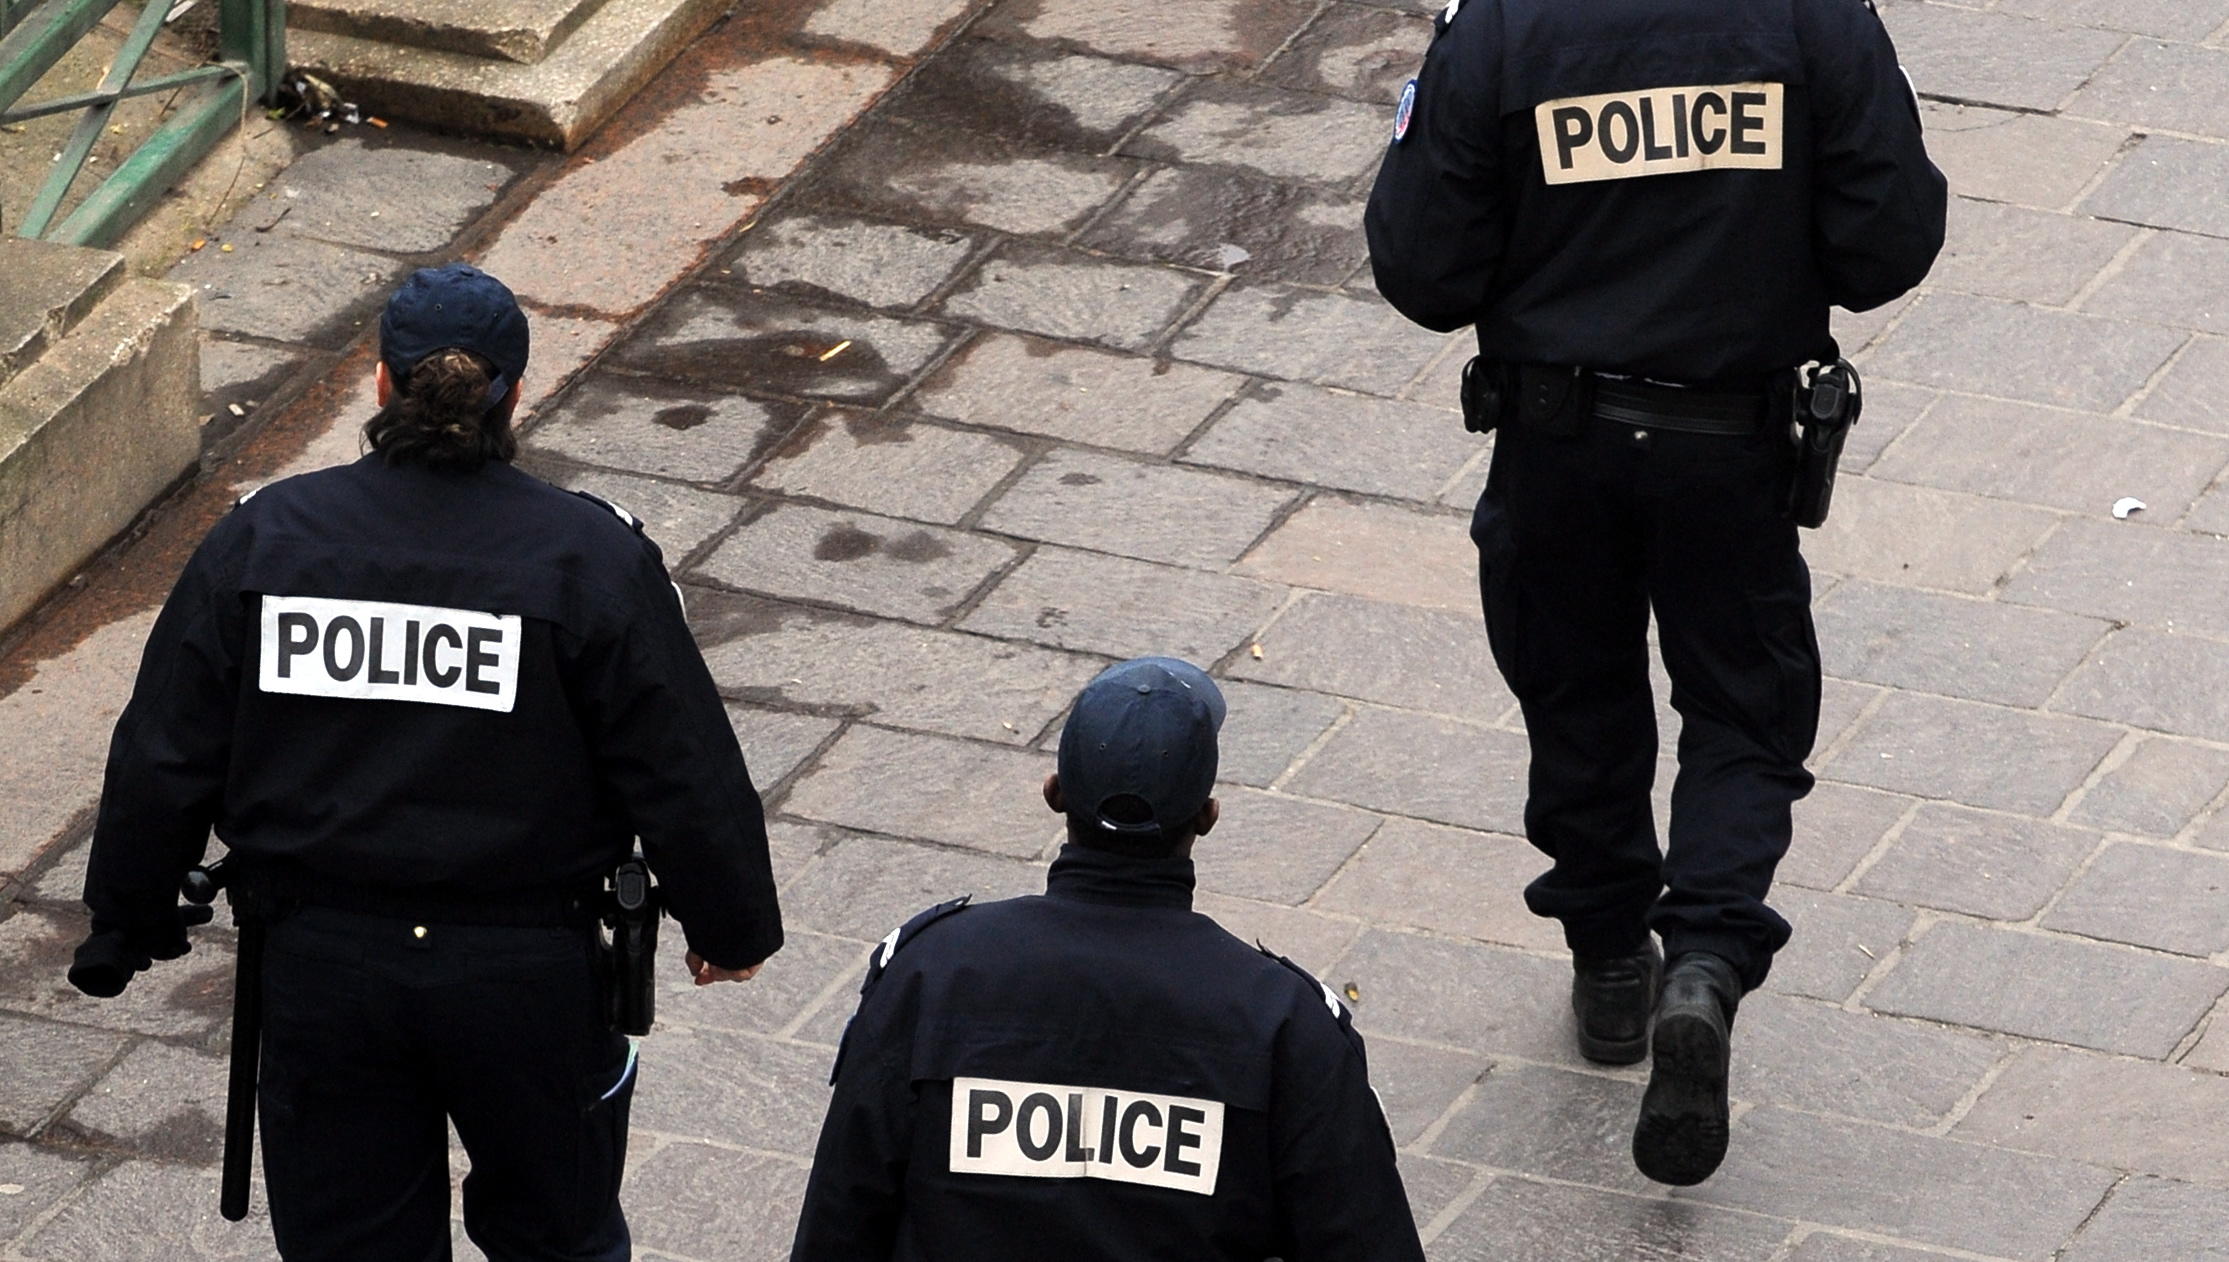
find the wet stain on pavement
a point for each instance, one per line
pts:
(1079, 479)
(846, 542)
(787, 362)
(683, 417)
(869, 430)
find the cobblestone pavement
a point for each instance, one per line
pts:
(1062, 349)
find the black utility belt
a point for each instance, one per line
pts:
(522, 909)
(1559, 399)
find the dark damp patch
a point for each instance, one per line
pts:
(1285, 304)
(718, 617)
(981, 86)
(787, 362)
(919, 547)
(1079, 479)
(205, 994)
(1268, 393)
(868, 430)
(749, 186)
(683, 416)
(1051, 616)
(846, 542)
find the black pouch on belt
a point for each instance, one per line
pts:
(1827, 405)
(1485, 394)
(1553, 399)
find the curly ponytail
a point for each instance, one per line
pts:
(442, 418)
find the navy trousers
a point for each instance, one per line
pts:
(377, 1038)
(1581, 537)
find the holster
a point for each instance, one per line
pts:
(1829, 400)
(629, 949)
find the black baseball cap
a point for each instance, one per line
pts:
(455, 305)
(1144, 729)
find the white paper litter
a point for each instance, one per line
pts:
(2125, 505)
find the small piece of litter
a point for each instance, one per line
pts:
(838, 349)
(199, 245)
(1256, 650)
(236, 409)
(1353, 991)
(2125, 505)
(1233, 255)
(376, 121)
(226, 248)
(11, 1189)
(1868, 951)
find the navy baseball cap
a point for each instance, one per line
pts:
(1144, 729)
(456, 305)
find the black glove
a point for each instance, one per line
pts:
(107, 961)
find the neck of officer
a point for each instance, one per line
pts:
(1085, 875)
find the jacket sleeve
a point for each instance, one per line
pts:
(1338, 1181)
(663, 744)
(853, 1197)
(1436, 222)
(168, 759)
(1879, 202)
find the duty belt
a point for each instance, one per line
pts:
(1626, 401)
(289, 885)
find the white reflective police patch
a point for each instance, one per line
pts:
(1659, 131)
(1331, 1001)
(1405, 113)
(369, 650)
(890, 946)
(1448, 14)
(1040, 1130)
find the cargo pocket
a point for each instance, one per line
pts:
(1499, 593)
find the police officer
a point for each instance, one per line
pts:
(1647, 207)
(1101, 1072)
(427, 701)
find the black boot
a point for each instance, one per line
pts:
(1612, 996)
(1681, 1136)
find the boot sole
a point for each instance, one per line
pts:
(1681, 1136)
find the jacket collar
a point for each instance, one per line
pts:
(1084, 875)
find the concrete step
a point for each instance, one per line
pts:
(93, 430)
(48, 289)
(524, 31)
(556, 102)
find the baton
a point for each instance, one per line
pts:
(200, 888)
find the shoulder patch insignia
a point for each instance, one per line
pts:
(633, 522)
(249, 496)
(907, 932)
(879, 961)
(1404, 113)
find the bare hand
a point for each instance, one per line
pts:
(706, 974)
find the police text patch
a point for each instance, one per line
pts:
(1659, 131)
(373, 651)
(1043, 1131)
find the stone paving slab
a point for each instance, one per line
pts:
(1516, 1220)
(2035, 354)
(2154, 1218)
(2025, 159)
(144, 1211)
(1799, 1054)
(1216, 35)
(2129, 573)
(2000, 251)
(2169, 900)
(1029, 90)
(2131, 1115)
(2002, 867)
(960, 793)
(1979, 650)
(2108, 998)
(50, 1063)
(845, 258)
(2168, 19)
(1477, 781)
(1396, 655)
(905, 467)
(2161, 787)
(1074, 296)
(2163, 181)
(1379, 551)
(1154, 512)
(1918, 536)
(1123, 608)
(672, 430)
(397, 198)
(1310, 335)
(750, 342)
(857, 560)
(1850, 1174)
(2174, 270)
(1012, 185)
(2139, 677)
(1355, 443)
(164, 1101)
(1995, 58)
(1839, 941)
(1060, 391)
(2013, 760)
(845, 666)
(702, 1216)
(1445, 880)
(1224, 221)
(2186, 395)
(2165, 87)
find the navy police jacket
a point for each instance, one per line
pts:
(1676, 189)
(1099, 1073)
(420, 680)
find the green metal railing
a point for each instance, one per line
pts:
(36, 34)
